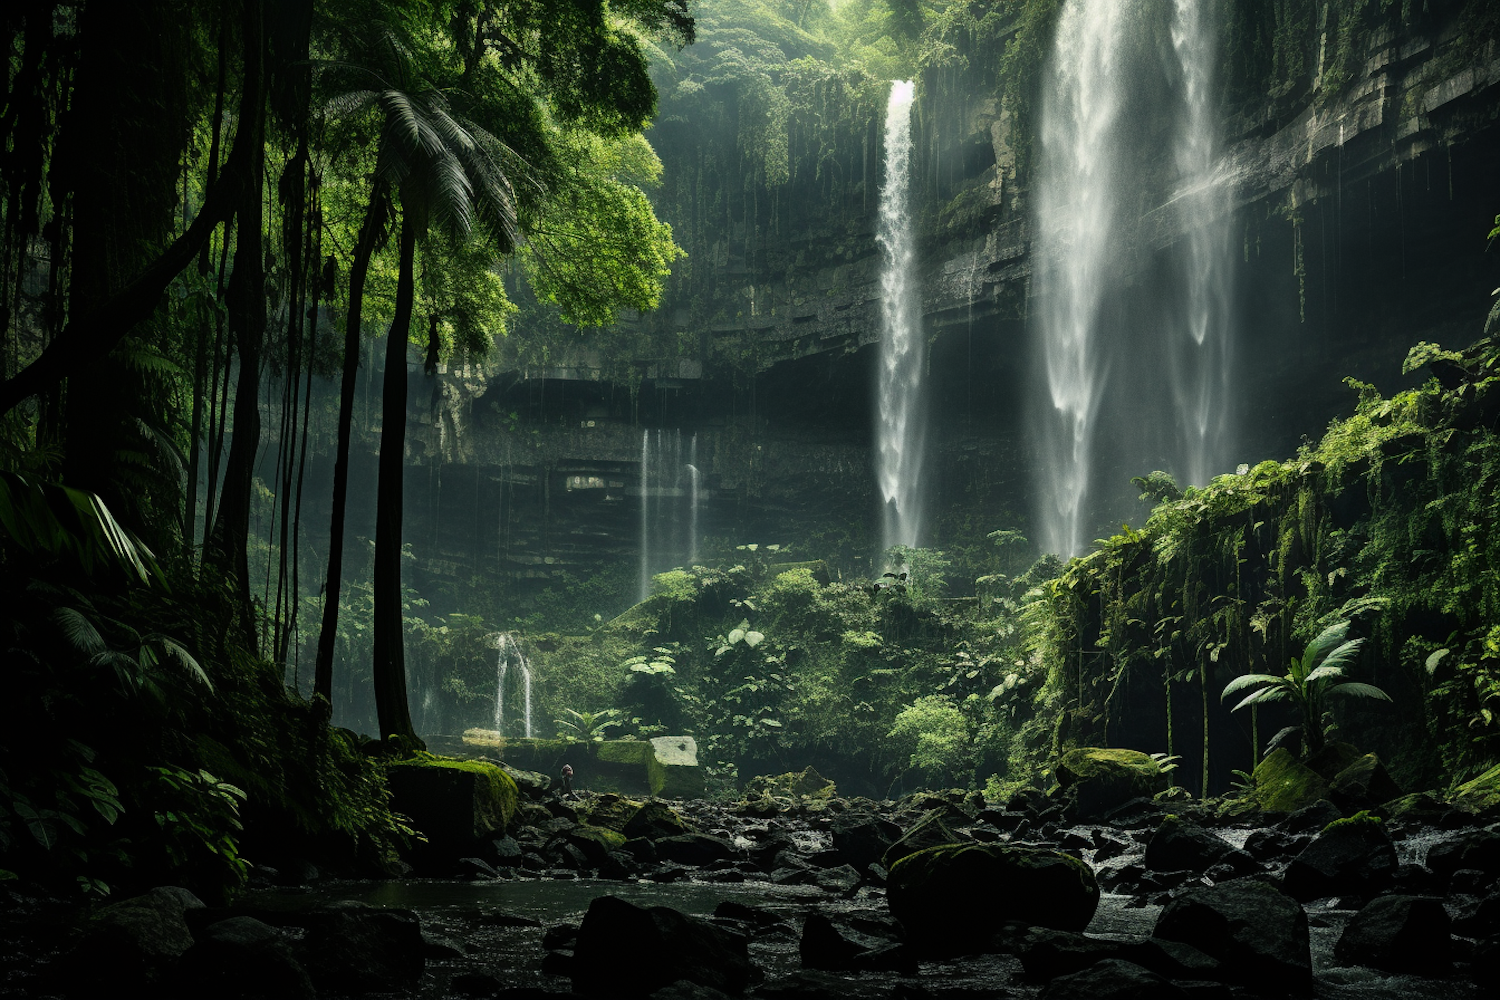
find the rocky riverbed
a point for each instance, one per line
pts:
(797, 892)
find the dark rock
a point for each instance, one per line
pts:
(532, 784)
(1479, 919)
(955, 898)
(1479, 850)
(625, 950)
(751, 916)
(655, 820)
(1353, 856)
(136, 941)
(1281, 784)
(825, 945)
(1468, 882)
(1258, 934)
(352, 947)
(1270, 844)
(842, 880)
(1312, 818)
(474, 984)
(1179, 845)
(1098, 780)
(1135, 812)
(458, 805)
(694, 849)
(640, 848)
(242, 957)
(1399, 934)
(1332, 759)
(439, 946)
(859, 838)
(1363, 785)
(929, 831)
(685, 990)
(1112, 979)
(506, 852)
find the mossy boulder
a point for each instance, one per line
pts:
(593, 842)
(956, 898)
(1363, 784)
(1098, 779)
(1480, 795)
(655, 820)
(807, 783)
(672, 769)
(456, 803)
(1281, 784)
(932, 830)
(610, 811)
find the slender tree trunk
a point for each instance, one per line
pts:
(247, 322)
(391, 708)
(369, 236)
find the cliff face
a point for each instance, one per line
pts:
(1359, 207)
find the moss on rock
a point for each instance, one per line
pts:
(1481, 794)
(1282, 784)
(453, 802)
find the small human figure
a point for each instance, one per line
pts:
(567, 779)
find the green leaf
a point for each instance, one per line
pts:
(1360, 690)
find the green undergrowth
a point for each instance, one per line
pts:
(1390, 521)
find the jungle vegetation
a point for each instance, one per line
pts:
(213, 212)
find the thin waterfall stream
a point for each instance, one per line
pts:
(900, 425)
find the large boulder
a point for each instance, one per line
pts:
(672, 770)
(1364, 784)
(624, 950)
(806, 783)
(1182, 845)
(694, 849)
(457, 804)
(654, 820)
(1097, 780)
(242, 957)
(1351, 856)
(1399, 934)
(1280, 784)
(136, 941)
(353, 947)
(1479, 851)
(955, 898)
(1258, 934)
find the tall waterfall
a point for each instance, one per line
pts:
(1201, 347)
(1133, 352)
(510, 654)
(670, 499)
(901, 422)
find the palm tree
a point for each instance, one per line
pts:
(449, 172)
(1307, 682)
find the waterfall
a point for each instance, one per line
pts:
(1133, 352)
(1076, 210)
(1201, 358)
(670, 497)
(509, 653)
(644, 591)
(902, 350)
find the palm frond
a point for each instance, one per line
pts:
(1248, 680)
(1360, 690)
(1262, 696)
(79, 632)
(1319, 648)
(1345, 654)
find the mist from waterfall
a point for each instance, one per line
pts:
(670, 500)
(1132, 322)
(901, 424)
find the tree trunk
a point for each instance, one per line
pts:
(389, 656)
(369, 235)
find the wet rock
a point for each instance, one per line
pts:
(1271, 844)
(807, 783)
(694, 849)
(1179, 845)
(352, 947)
(440, 946)
(1312, 818)
(756, 918)
(1258, 934)
(474, 984)
(1112, 979)
(826, 945)
(1399, 934)
(1480, 796)
(137, 940)
(1353, 856)
(532, 784)
(841, 881)
(593, 843)
(860, 838)
(1479, 850)
(1097, 780)
(625, 950)
(655, 820)
(686, 990)
(1479, 918)
(955, 898)
(505, 852)
(1363, 785)
(242, 957)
